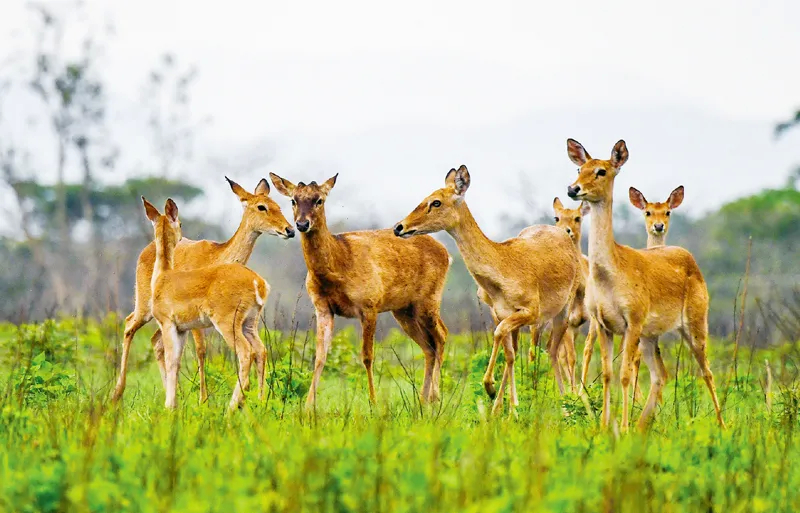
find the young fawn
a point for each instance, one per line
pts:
(361, 274)
(525, 281)
(261, 215)
(228, 297)
(637, 293)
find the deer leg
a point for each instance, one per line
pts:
(174, 342)
(244, 353)
(698, 335)
(250, 330)
(637, 360)
(648, 347)
(488, 377)
(324, 338)
(406, 319)
(536, 335)
(588, 349)
(567, 356)
(368, 322)
(630, 343)
(606, 339)
(437, 332)
(560, 327)
(200, 350)
(502, 334)
(157, 341)
(133, 322)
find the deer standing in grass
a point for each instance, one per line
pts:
(261, 215)
(638, 293)
(570, 221)
(228, 297)
(361, 274)
(526, 281)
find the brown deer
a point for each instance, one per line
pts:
(570, 220)
(228, 297)
(637, 293)
(261, 215)
(361, 274)
(526, 281)
(656, 215)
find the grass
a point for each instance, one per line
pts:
(65, 447)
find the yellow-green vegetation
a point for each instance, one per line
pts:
(65, 447)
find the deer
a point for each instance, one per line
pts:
(228, 297)
(363, 273)
(261, 214)
(656, 215)
(637, 293)
(570, 220)
(525, 281)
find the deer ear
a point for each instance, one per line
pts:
(619, 155)
(637, 198)
(150, 211)
(171, 211)
(676, 197)
(585, 208)
(282, 185)
(461, 180)
(238, 190)
(329, 183)
(577, 153)
(557, 205)
(262, 188)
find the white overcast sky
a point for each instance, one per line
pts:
(391, 95)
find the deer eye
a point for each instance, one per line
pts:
(436, 203)
(668, 213)
(262, 208)
(577, 219)
(319, 202)
(647, 213)
(556, 218)
(293, 203)
(601, 172)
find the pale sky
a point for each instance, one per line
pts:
(392, 96)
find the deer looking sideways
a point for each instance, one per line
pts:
(361, 274)
(228, 297)
(261, 215)
(638, 293)
(524, 280)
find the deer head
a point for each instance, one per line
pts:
(167, 227)
(308, 201)
(261, 213)
(595, 181)
(656, 215)
(570, 219)
(438, 211)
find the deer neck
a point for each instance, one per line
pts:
(476, 248)
(320, 249)
(653, 241)
(240, 246)
(577, 242)
(602, 247)
(165, 257)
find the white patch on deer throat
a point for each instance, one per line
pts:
(259, 299)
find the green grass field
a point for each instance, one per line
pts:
(65, 447)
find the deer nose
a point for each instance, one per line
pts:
(572, 191)
(659, 227)
(303, 225)
(398, 229)
(289, 232)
